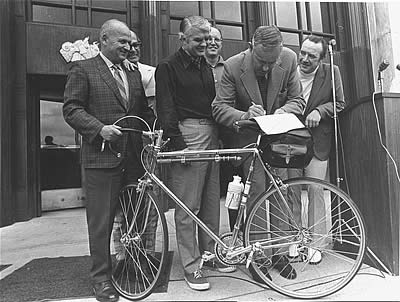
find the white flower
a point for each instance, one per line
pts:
(79, 50)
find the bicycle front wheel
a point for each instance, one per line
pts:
(310, 243)
(139, 243)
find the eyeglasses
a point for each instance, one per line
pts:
(215, 40)
(136, 44)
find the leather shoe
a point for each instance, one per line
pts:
(105, 292)
(282, 264)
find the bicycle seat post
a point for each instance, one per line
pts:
(246, 190)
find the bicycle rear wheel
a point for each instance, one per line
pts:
(324, 248)
(139, 244)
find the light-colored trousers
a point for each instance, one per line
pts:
(197, 185)
(316, 204)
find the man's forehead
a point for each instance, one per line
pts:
(310, 46)
(215, 32)
(267, 53)
(197, 32)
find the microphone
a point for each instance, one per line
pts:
(383, 65)
(332, 42)
(398, 67)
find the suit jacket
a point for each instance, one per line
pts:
(321, 99)
(92, 100)
(148, 79)
(239, 88)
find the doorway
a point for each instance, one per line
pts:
(60, 169)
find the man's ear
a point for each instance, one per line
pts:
(103, 38)
(181, 36)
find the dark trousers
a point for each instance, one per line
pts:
(102, 190)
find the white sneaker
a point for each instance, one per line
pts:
(314, 256)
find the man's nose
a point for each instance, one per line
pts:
(306, 58)
(212, 41)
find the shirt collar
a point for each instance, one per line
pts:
(187, 58)
(307, 75)
(220, 61)
(108, 62)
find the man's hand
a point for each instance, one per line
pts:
(313, 119)
(253, 111)
(110, 133)
(279, 111)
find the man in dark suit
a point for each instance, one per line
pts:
(316, 80)
(260, 80)
(98, 92)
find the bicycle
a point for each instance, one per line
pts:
(142, 234)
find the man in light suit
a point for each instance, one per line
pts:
(260, 80)
(98, 92)
(146, 71)
(316, 80)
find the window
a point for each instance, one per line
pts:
(91, 13)
(298, 19)
(226, 15)
(52, 124)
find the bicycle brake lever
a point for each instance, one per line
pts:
(166, 142)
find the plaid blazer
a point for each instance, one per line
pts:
(92, 100)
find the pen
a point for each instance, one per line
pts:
(254, 104)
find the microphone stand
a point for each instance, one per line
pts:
(335, 119)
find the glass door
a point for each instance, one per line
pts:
(60, 169)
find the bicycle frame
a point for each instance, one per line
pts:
(186, 156)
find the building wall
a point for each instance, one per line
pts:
(394, 9)
(7, 86)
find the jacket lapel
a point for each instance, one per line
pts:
(106, 75)
(275, 79)
(249, 79)
(317, 84)
(131, 83)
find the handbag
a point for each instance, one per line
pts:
(292, 149)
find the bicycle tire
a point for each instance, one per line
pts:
(338, 235)
(138, 257)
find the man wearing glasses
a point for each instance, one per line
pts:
(147, 72)
(260, 80)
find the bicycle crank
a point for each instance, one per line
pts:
(221, 253)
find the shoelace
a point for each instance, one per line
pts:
(197, 274)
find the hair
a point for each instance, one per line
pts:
(318, 39)
(220, 32)
(109, 26)
(267, 35)
(134, 34)
(190, 22)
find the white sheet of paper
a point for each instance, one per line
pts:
(278, 123)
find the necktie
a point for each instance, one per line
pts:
(120, 84)
(262, 84)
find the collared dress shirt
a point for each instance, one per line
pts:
(217, 70)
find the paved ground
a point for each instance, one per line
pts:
(64, 233)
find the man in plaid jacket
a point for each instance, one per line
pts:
(94, 99)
